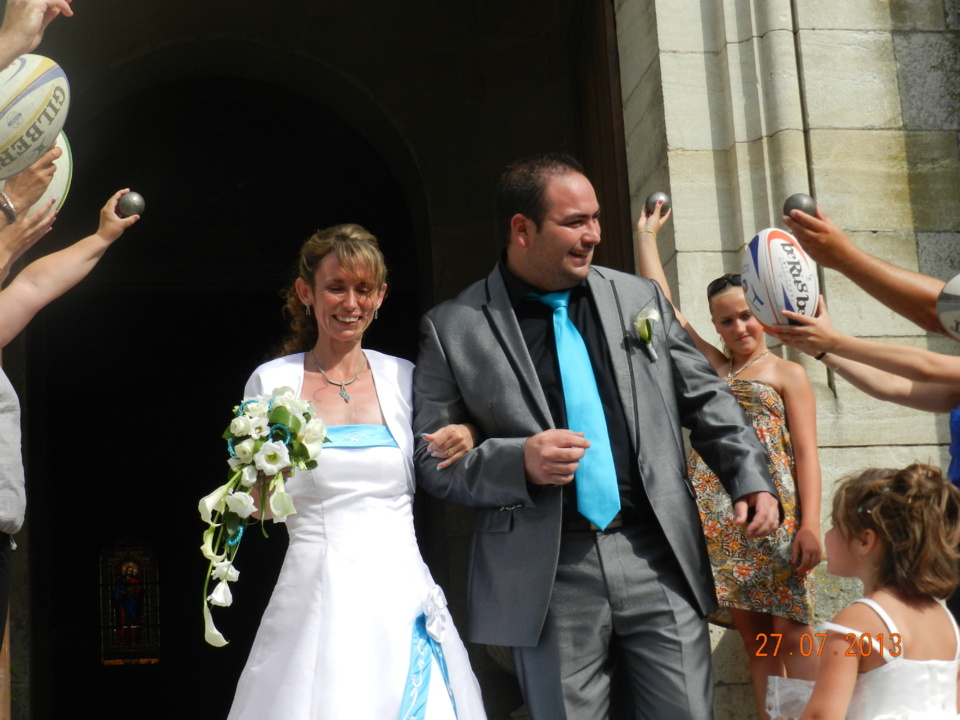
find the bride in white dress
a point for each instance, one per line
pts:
(356, 627)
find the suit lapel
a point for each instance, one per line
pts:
(613, 323)
(506, 330)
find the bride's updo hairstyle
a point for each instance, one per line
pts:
(916, 514)
(357, 252)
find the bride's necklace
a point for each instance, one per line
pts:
(343, 384)
(730, 373)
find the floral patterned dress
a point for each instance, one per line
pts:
(755, 574)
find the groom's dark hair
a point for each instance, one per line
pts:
(522, 186)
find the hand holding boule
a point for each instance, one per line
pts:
(802, 202)
(130, 203)
(656, 197)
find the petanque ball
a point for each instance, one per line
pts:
(656, 197)
(129, 204)
(801, 202)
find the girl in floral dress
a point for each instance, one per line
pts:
(762, 584)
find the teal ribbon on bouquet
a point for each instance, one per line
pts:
(423, 651)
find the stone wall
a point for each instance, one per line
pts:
(732, 105)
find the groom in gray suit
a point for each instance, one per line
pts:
(574, 599)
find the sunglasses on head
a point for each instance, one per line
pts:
(721, 282)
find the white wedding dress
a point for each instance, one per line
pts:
(340, 639)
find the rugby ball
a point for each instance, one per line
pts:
(778, 275)
(60, 185)
(948, 307)
(34, 99)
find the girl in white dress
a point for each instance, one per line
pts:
(893, 654)
(356, 627)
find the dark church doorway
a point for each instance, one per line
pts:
(131, 377)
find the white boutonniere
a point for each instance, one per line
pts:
(643, 323)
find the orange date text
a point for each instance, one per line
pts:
(858, 645)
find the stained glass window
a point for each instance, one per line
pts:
(129, 604)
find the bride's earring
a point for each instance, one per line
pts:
(306, 309)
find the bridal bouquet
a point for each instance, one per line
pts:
(269, 439)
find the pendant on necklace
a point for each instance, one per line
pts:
(343, 394)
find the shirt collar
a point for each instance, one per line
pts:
(517, 289)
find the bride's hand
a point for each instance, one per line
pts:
(451, 443)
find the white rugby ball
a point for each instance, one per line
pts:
(778, 275)
(34, 99)
(948, 307)
(60, 185)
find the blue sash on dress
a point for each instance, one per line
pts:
(414, 705)
(359, 436)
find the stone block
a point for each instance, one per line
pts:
(690, 26)
(863, 175)
(929, 77)
(858, 67)
(852, 419)
(850, 15)
(925, 15)
(872, 14)
(644, 127)
(837, 463)
(855, 312)
(704, 201)
(767, 172)
(939, 254)
(951, 9)
(779, 78)
(638, 44)
(757, 18)
(933, 173)
(696, 102)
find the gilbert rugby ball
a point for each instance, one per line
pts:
(948, 307)
(34, 99)
(60, 185)
(778, 275)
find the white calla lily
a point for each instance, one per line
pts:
(211, 503)
(207, 548)
(210, 632)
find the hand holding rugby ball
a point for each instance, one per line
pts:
(778, 275)
(34, 98)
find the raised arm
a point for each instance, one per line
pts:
(817, 335)
(908, 293)
(24, 22)
(22, 191)
(882, 385)
(52, 275)
(650, 266)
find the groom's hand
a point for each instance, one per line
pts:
(765, 513)
(551, 457)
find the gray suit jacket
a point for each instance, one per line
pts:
(474, 367)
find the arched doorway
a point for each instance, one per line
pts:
(131, 377)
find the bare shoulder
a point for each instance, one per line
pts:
(786, 374)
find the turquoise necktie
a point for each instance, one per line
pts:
(598, 497)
